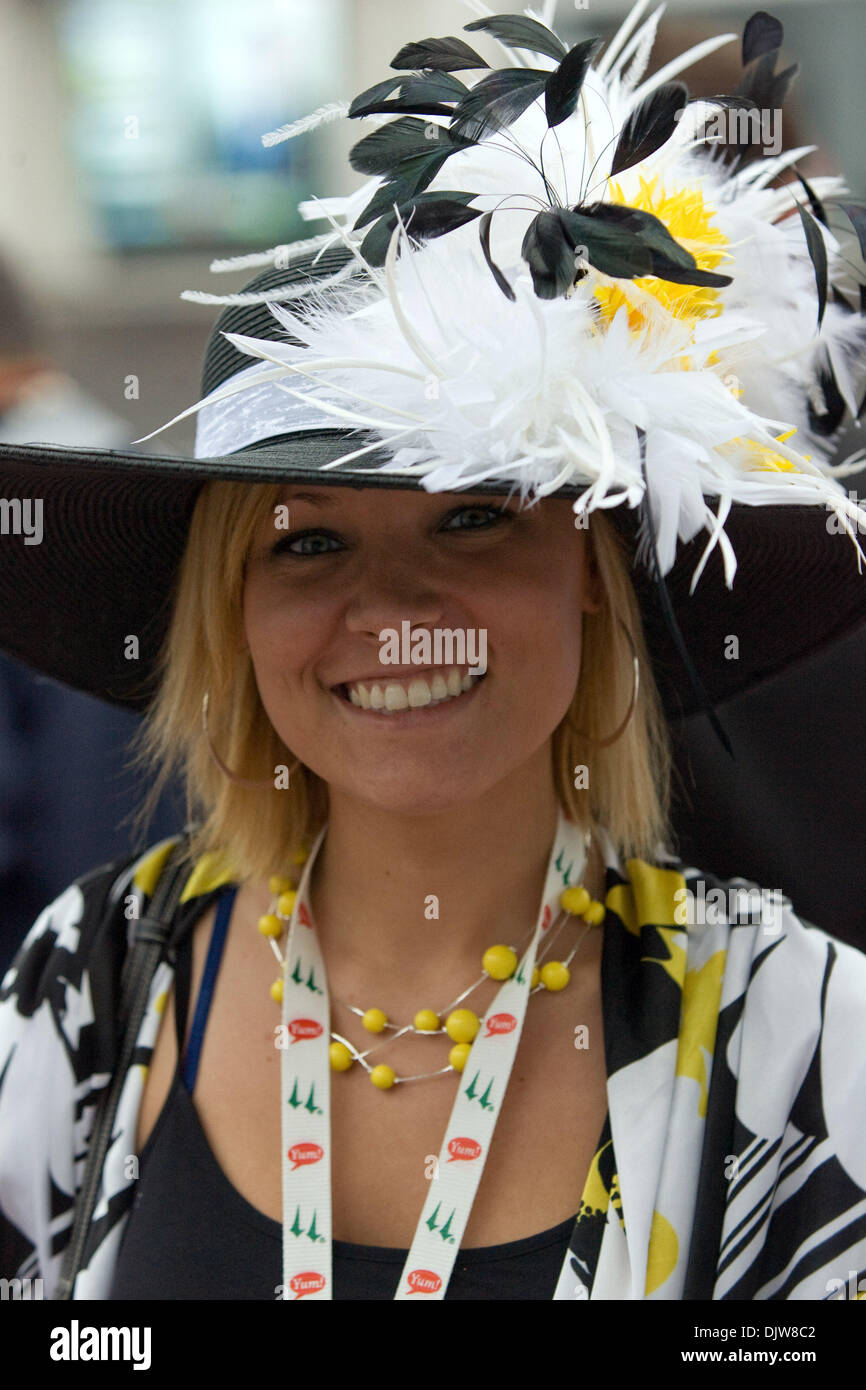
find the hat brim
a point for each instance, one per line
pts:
(114, 528)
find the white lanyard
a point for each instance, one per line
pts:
(305, 1102)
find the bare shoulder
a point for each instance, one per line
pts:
(244, 977)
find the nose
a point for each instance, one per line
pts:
(390, 590)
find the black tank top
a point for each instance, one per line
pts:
(191, 1235)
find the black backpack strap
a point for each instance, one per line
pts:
(151, 933)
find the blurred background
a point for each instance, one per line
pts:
(130, 157)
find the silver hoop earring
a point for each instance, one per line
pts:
(612, 738)
(226, 771)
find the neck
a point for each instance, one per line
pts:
(428, 894)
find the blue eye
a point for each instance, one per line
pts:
(285, 546)
(489, 515)
(493, 514)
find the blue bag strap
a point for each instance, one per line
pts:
(208, 983)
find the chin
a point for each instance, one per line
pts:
(424, 795)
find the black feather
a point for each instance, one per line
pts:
(818, 255)
(497, 101)
(387, 194)
(420, 94)
(608, 244)
(427, 216)
(766, 90)
(856, 214)
(764, 85)
(628, 242)
(484, 232)
(735, 102)
(419, 162)
(827, 422)
(818, 209)
(380, 92)
(548, 250)
(402, 149)
(725, 100)
(383, 149)
(762, 34)
(444, 55)
(433, 86)
(518, 31)
(650, 125)
(412, 176)
(667, 609)
(563, 85)
(408, 108)
(665, 269)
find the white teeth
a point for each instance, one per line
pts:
(392, 696)
(419, 694)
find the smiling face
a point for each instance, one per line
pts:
(354, 563)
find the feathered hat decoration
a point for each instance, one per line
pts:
(636, 310)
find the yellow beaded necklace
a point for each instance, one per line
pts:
(461, 1025)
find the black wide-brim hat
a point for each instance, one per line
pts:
(115, 523)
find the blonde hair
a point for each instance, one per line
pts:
(625, 787)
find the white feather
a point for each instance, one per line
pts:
(762, 171)
(463, 386)
(290, 250)
(678, 65)
(265, 296)
(640, 46)
(604, 65)
(323, 116)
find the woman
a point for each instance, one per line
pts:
(627, 1090)
(425, 803)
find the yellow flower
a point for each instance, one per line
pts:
(689, 219)
(761, 456)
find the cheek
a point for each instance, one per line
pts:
(540, 610)
(260, 628)
(535, 649)
(278, 625)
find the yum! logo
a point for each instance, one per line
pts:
(424, 1281)
(302, 1154)
(500, 1023)
(463, 1149)
(309, 1282)
(301, 1028)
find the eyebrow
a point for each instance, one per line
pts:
(317, 499)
